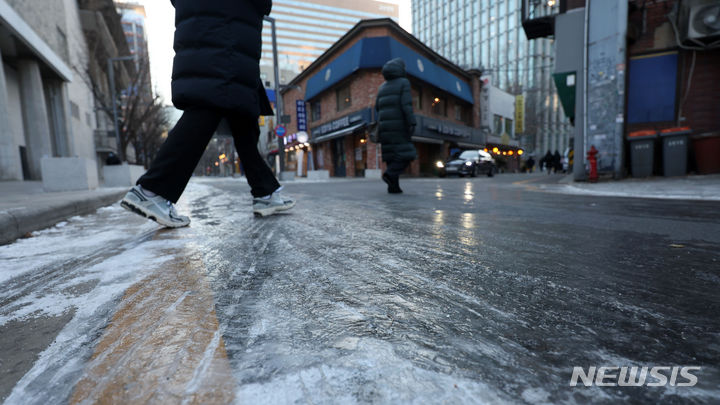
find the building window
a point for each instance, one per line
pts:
(498, 125)
(315, 111)
(439, 106)
(75, 110)
(458, 112)
(509, 126)
(343, 97)
(417, 100)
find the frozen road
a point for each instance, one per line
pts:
(459, 291)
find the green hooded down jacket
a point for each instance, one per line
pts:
(396, 121)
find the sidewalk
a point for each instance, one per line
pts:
(696, 187)
(25, 207)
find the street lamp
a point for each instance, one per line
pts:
(111, 77)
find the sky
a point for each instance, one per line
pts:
(160, 29)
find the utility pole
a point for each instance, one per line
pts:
(111, 78)
(278, 98)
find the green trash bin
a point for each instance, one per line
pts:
(642, 152)
(675, 150)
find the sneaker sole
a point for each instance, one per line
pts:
(266, 212)
(140, 211)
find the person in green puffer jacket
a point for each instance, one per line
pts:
(396, 123)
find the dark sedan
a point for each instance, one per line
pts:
(470, 162)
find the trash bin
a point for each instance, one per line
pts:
(642, 152)
(707, 152)
(675, 150)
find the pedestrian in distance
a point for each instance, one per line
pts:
(216, 75)
(396, 123)
(530, 164)
(547, 161)
(557, 162)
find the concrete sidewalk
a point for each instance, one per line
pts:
(25, 207)
(695, 187)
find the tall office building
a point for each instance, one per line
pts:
(133, 22)
(306, 29)
(488, 34)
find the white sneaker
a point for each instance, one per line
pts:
(263, 207)
(156, 208)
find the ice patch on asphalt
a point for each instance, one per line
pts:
(112, 275)
(633, 191)
(369, 373)
(78, 236)
(63, 361)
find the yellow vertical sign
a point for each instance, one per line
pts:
(519, 114)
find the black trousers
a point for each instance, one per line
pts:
(396, 167)
(170, 172)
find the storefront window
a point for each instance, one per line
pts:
(343, 97)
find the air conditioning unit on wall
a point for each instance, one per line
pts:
(702, 21)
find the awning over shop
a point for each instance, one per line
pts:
(337, 134)
(422, 139)
(470, 145)
(374, 53)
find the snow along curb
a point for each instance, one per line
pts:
(16, 222)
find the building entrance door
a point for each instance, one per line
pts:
(339, 157)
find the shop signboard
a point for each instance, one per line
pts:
(301, 115)
(356, 118)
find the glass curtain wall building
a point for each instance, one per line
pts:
(306, 29)
(488, 34)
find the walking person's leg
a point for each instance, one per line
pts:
(392, 175)
(246, 132)
(264, 187)
(163, 184)
(177, 158)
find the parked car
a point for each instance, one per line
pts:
(469, 162)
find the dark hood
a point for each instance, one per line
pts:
(393, 69)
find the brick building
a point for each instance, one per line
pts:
(338, 93)
(674, 74)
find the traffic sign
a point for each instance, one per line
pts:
(280, 131)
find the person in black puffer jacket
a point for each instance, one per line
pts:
(396, 122)
(216, 75)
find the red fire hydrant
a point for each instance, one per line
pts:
(593, 177)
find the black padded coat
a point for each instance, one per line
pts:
(217, 53)
(396, 121)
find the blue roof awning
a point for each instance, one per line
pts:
(374, 52)
(271, 95)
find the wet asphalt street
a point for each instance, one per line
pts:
(457, 291)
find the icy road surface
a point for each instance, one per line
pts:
(458, 291)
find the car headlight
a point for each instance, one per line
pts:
(439, 164)
(468, 163)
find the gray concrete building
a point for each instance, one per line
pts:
(46, 110)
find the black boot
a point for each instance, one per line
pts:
(393, 183)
